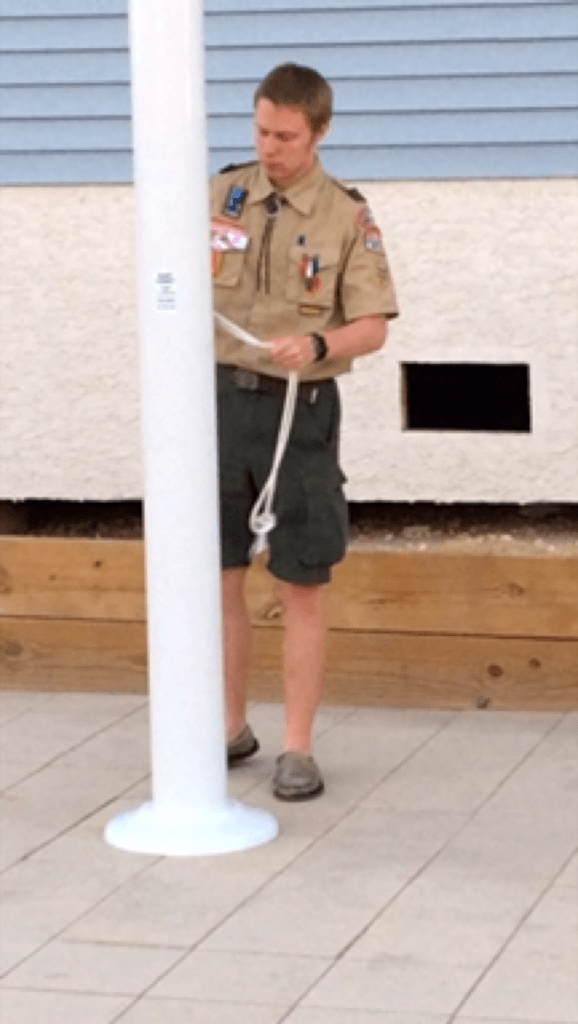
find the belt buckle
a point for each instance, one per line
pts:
(247, 380)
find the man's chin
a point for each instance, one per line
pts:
(275, 172)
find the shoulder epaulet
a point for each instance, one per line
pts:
(352, 192)
(235, 167)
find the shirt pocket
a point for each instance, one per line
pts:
(229, 268)
(323, 289)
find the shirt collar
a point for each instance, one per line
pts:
(301, 195)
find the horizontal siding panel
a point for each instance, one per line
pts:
(348, 131)
(393, 26)
(62, 8)
(420, 129)
(58, 136)
(401, 94)
(375, 163)
(528, 21)
(55, 69)
(424, 88)
(89, 8)
(26, 35)
(413, 59)
(459, 92)
(66, 168)
(66, 101)
(228, 7)
(253, 63)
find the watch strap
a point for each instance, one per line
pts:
(320, 347)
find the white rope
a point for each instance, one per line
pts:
(262, 518)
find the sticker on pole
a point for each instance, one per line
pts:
(165, 292)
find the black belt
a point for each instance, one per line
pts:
(250, 380)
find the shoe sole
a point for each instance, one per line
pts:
(297, 796)
(235, 758)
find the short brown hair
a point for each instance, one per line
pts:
(293, 85)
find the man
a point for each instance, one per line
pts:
(298, 262)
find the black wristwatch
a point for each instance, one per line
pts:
(320, 346)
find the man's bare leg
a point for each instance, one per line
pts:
(304, 660)
(236, 647)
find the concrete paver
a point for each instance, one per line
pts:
(436, 881)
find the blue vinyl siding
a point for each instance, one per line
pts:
(423, 89)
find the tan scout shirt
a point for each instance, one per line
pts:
(267, 293)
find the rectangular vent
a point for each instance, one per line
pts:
(490, 397)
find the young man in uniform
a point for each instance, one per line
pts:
(298, 262)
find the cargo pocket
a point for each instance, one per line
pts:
(323, 536)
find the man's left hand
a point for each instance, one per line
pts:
(292, 353)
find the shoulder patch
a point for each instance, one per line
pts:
(235, 167)
(352, 192)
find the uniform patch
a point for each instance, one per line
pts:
(226, 236)
(369, 230)
(235, 201)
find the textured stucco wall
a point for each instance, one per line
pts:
(485, 271)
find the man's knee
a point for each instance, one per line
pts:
(309, 599)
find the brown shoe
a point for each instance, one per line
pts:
(242, 746)
(297, 777)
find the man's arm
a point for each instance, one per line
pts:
(358, 338)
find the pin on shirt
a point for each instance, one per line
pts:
(309, 269)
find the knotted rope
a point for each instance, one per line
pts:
(262, 518)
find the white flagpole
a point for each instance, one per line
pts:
(190, 812)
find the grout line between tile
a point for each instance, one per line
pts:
(74, 824)
(75, 746)
(424, 866)
(503, 947)
(276, 874)
(79, 917)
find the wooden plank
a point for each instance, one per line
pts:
(362, 667)
(72, 578)
(433, 671)
(75, 655)
(442, 593)
(372, 590)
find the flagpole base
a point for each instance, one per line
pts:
(175, 832)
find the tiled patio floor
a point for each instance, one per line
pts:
(436, 881)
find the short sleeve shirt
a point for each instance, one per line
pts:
(320, 264)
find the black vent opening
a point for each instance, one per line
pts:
(467, 396)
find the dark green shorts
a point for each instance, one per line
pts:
(311, 510)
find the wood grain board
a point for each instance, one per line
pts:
(398, 669)
(375, 590)
(406, 628)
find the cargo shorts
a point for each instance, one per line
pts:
(312, 519)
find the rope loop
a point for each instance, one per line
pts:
(262, 519)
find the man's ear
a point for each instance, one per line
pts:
(320, 135)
